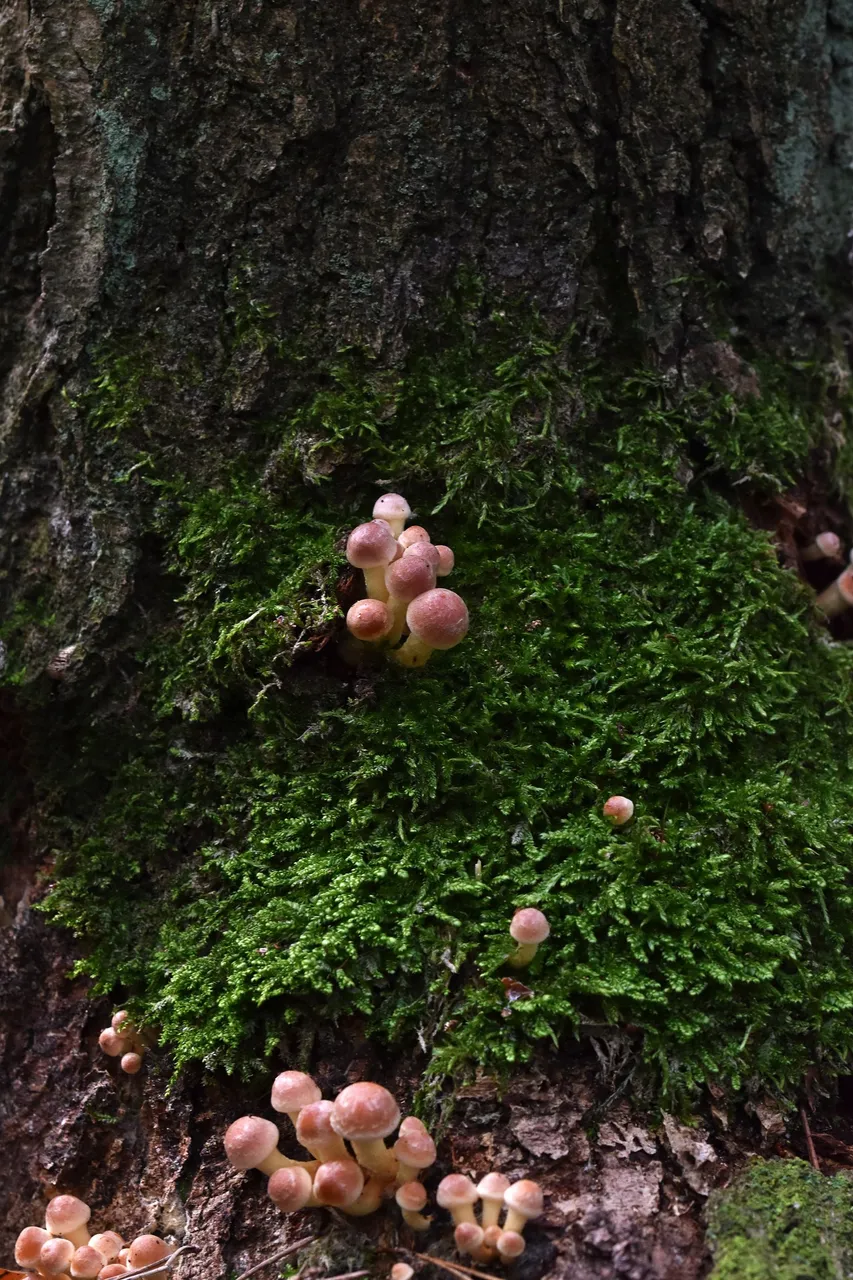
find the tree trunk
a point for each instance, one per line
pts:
(214, 188)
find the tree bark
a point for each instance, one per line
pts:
(678, 171)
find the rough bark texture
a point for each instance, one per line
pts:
(672, 164)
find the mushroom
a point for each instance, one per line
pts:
(369, 620)
(826, 546)
(414, 534)
(528, 928)
(55, 1257)
(291, 1190)
(131, 1063)
(394, 510)
(491, 1235)
(338, 1183)
(415, 1150)
(618, 810)
(411, 1197)
(112, 1270)
(491, 1190)
(108, 1243)
(402, 1271)
(459, 1195)
(365, 1114)
(293, 1090)
(469, 1239)
(252, 1143)
(28, 1246)
(523, 1201)
(123, 1256)
(369, 1200)
(438, 619)
(87, 1262)
(146, 1250)
(510, 1244)
(371, 547)
(408, 1123)
(67, 1216)
(314, 1131)
(838, 596)
(120, 1019)
(424, 551)
(112, 1043)
(406, 579)
(446, 561)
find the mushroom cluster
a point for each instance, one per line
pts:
(353, 1168)
(401, 568)
(521, 1200)
(122, 1040)
(63, 1248)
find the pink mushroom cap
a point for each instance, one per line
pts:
(446, 560)
(409, 577)
(619, 810)
(364, 1112)
(293, 1090)
(369, 620)
(414, 534)
(529, 925)
(426, 551)
(66, 1213)
(250, 1140)
(371, 545)
(338, 1183)
(439, 618)
(28, 1246)
(415, 1148)
(392, 505)
(290, 1189)
(131, 1063)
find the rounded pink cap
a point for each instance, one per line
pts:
(108, 1243)
(415, 1148)
(439, 618)
(409, 577)
(146, 1249)
(86, 1263)
(66, 1213)
(425, 551)
(250, 1140)
(28, 1246)
(315, 1121)
(411, 1196)
(393, 505)
(529, 925)
(456, 1190)
(55, 1257)
(619, 809)
(364, 1112)
(446, 560)
(293, 1090)
(371, 545)
(338, 1183)
(525, 1197)
(829, 543)
(411, 1122)
(510, 1244)
(131, 1063)
(290, 1189)
(415, 533)
(369, 620)
(112, 1043)
(492, 1186)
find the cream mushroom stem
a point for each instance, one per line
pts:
(369, 1200)
(275, 1160)
(398, 615)
(373, 1155)
(414, 652)
(838, 596)
(415, 1220)
(374, 581)
(523, 954)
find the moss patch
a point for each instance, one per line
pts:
(781, 1220)
(283, 837)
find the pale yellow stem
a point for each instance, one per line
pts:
(375, 1157)
(515, 1221)
(369, 1200)
(275, 1160)
(415, 1220)
(398, 615)
(374, 581)
(414, 653)
(523, 954)
(490, 1212)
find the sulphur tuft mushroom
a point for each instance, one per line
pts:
(415, 1151)
(411, 1198)
(838, 596)
(109, 1244)
(131, 1063)
(469, 1238)
(394, 510)
(371, 547)
(528, 927)
(338, 1183)
(55, 1257)
(458, 1195)
(491, 1191)
(314, 1131)
(28, 1246)
(618, 810)
(113, 1044)
(510, 1244)
(437, 619)
(409, 1123)
(293, 1090)
(826, 546)
(365, 1114)
(67, 1216)
(523, 1201)
(424, 551)
(252, 1143)
(406, 579)
(146, 1250)
(87, 1263)
(291, 1190)
(446, 561)
(369, 620)
(414, 534)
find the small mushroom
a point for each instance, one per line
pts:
(424, 551)
(314, 1131)
(87, 1263)
(370, 1199)
(55, 1257)
(131, 1063)
(394, 510)
(146, 1250)
(291, 1190)
(415, 1151)
(437, 619)
(618, 810)
(838, 596)
(826, 546)
(446, 561)
(414, 534)
(338, 1183)
(293, 1090)
(491, 1190)
(458, 1195)
(371, 547)
(405, 580)
(28, 1246)
(410, 1123)
(523, 1201)
(119, 1020)
(469, 1238)
(402, 1271)
(365, 1114)
(369, 620)
(108, 1243)
(252, 1143)
(67, 1216)
(510, 1245)
(112, 1043)
(411, 1197)
(528, 928)
(112, 1270)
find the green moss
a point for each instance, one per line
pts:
(283, 837)
(781, 1220)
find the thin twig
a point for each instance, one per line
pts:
(276, 1257)
(454, 1266)
(349, 1275)
(815, 1163)
(165, 1264)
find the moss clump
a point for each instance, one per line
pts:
(782, 1220)
(282, 839)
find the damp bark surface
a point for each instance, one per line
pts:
(674, 174)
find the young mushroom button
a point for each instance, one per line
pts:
(67, 1216)
(371, 547)
(109, 1244)
(113, 1044)
(28, 1246)
(146, 1250)
(826, 546)
(528, 928)
(438, 619)
(293, 1090)
(415, 533)
(618, 810)
(365, 1114)
(424, 551)
(369, 620)
(523, 1201)
(458, 1195)
(510, 1244)
(87, 1263)
(394, 510)
(468, 1238)
(411, 1197)
(446, 561)
(314, 1131)
(415, 1151)
(55, 1257)
(406, 579)
(491, 1191)
(131, 1064)
(838, 596)
(112, 1270)
(338, 1183)
(252, 1143)
(290, 1190)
